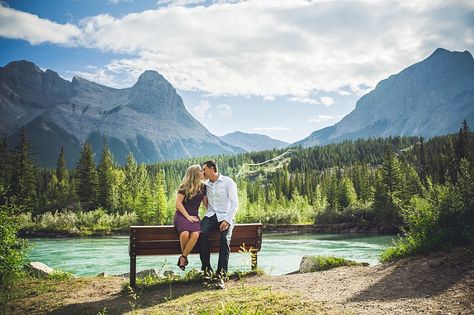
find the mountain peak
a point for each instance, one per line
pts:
(429, 98)
(150, 76)
(440, 51)
(24, 65)
(441, 54)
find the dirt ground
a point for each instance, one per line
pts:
(441, 283)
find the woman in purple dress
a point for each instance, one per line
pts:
(186, 219)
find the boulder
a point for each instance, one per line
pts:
(306, 264)
(39, 270)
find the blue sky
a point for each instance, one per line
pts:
(282, 68)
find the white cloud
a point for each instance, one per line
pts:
(327, 101)
(305, 100)
(269, 98)
(343, 92)
(180, 2)
(202, 110)
(118, 1)
(288, 48)
(21, 25)
(224, 110)
(272, 128)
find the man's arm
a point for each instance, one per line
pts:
(234, 201)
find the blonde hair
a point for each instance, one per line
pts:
(191, 183)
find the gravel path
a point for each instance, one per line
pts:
(442, 283)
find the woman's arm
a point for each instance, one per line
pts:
(180, 207)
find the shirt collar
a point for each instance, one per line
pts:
(208, 181)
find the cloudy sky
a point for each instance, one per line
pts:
(281, 68)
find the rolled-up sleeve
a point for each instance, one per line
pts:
(233, 199)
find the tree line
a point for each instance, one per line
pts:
(364, 182)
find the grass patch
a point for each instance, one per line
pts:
(60, 275)
(192, 276)
(40, 295)
(321, 263)
(243, 300)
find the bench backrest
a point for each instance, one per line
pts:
(164, 240)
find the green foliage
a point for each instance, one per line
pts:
(321, 263)
(86, 177)
(12, 248)
(442, 219)
(388, 190)
(23, 175)
(106, 196)
(97, 222)
(347, 194)
(160, 197)
(60, 275)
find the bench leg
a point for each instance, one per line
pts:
(133, 270)
(253, 261)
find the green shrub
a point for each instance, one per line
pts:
(60, 275)
(321, 263)
(12, 248)
(81, 223)
(443, 219)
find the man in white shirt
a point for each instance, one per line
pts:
(223, 202)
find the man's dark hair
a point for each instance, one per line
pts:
(211, 164)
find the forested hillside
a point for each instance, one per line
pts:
(365, 181)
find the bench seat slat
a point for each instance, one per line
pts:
(168, 231)
(237, 233)
(175, 243)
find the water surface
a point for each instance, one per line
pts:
(280, 254)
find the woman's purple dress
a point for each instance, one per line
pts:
(192, 207)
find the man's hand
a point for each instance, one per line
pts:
(224, 225)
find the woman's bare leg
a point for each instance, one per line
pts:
(191, 243)
(183, 239)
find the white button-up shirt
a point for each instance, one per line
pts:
(222, 198)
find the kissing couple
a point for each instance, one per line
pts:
(218, 193)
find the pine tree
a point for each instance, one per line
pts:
(86, 177)
(61, 170)
(106, 180)
(465, 186)
(59, 186)
(24, 175)
(365, 193)
(5, 170)
(388, 190)
(462, 142)
(161, 199)
(332, 192)
(347, 194)
(132, 178)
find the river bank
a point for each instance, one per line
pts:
(268, 228)
(439, 283)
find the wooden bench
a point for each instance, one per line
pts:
(164, 240)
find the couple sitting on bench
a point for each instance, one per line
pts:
(219, 195)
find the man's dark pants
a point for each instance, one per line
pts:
(209, 224)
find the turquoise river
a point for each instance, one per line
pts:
(280, 253)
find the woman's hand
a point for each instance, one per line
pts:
(192, 218)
